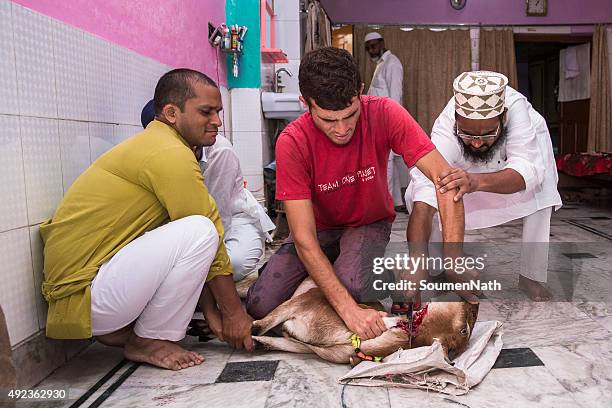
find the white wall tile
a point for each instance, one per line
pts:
(98, 71)
(70, 77)
(145, 74)
(226, 113)
(36, 246)
(100, 139)
(291, 83)
(287, 10)
(74, 144)
(8, 79)
(17, 289)
(42, 166)
(246, 109)
(13, 209)
(122, 84)
(123, 132)
(248, 146)
(33, 36)
(287, 38)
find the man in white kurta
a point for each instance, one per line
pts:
(388, 80)
(504, 165)
(244, 219)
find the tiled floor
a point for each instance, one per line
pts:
(556, 354)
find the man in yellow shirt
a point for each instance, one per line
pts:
(137, 240)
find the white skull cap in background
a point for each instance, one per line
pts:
(372, 36)
(480, 94)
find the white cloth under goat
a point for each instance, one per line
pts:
(427, 368)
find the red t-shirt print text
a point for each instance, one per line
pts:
(362, 175)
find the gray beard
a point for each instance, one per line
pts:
(485, 156)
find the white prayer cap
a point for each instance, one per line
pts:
(372, 36)
(480, 94)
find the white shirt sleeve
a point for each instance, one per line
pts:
(522, 146)
(442, 136)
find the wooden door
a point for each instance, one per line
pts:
(574, 126)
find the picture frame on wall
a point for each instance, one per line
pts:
(536, 7)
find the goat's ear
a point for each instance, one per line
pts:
(473, 310)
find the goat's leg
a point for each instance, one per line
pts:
(282, 313)
(282, 344)
(286, 311)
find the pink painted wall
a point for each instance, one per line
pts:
(173, 32)
(562, 12)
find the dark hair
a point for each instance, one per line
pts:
(330, 77)
(148, 113)
(176, 87)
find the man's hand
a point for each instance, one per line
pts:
(366, 323)
(236, 323)
(237, 330)
(214, 320)
(457, 179)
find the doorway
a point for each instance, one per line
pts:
(537, 60)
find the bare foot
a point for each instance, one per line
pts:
(534, 289)
(160, 353)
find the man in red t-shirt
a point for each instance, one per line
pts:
(331, 175)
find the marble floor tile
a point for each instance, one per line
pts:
(306, 385)
(397, 236)
(595, 309)
(234, 395)
(215, 353)
(517, 387)
(241, 371)
(584, 370)
(488, 310)
(552, 332)
(517, 357)
(604, 321)
(84, 370)
(406, 397)
(527, 310)
(507, 387)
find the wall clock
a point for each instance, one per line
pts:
(458, 4)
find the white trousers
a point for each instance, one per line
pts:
(534, 243)
(534, 247)
(155, 280)
(397, 177)
(245, 246)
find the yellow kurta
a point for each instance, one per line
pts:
(146, 181)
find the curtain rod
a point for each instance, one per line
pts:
(473, 25)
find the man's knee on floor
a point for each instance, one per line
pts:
(244, 261)
(201, 226)
(258, 306)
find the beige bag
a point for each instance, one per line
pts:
(427, 368)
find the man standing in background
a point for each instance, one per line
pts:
(388, 80)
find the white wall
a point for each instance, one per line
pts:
(66, 97)
(287, 37)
